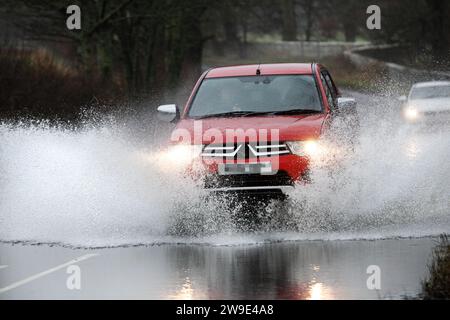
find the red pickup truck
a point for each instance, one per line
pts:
(254, 128)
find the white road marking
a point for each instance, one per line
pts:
(44, 273)
(3, 267)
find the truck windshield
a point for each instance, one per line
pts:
(256, 94)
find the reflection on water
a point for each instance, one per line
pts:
(185, 293)
(319, 292)
(302, 271)
(314, 270)
(313, 291)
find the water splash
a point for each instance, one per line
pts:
(74, 185)
(93, 187)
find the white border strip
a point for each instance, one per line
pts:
(44, 273)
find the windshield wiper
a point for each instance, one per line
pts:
(229, 114)
(293, 111)
(255, 114)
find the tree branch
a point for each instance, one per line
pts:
(108, 17)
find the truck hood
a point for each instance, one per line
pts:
(288, 128)
(431, 105)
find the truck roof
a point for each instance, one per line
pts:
(265, 69)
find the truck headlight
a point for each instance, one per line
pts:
(179, 156)
(183, 154)
(309, 148)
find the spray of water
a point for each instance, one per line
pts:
(97, 186)
(75, 186)
(395, 184)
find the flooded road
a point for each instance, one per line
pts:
(291, 270)
(89, 204)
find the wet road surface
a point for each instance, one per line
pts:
(292, 270)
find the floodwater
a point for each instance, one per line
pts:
(293, 270)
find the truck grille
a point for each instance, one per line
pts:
(245, 150)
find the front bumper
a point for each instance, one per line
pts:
(431, 118)
(288, 170)
(254, 190)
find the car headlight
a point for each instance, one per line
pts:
(411, 114)
(309, 148)
(179, 156)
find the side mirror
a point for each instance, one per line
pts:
(347, 105)
(168, 113)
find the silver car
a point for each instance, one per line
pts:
(428, 102)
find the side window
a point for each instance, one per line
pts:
(331, 85)
(328, 92)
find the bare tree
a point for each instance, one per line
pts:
(289, 20)
(310, 9)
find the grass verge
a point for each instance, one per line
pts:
(437, 286)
